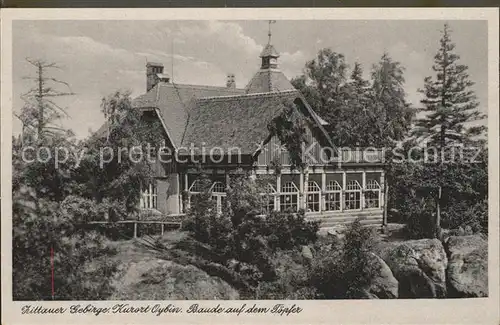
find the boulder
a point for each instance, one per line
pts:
(337, 231)
(467, 272)
(383, 285)
(420, 268)
(365, 294)
(156, 279)
(307, 253)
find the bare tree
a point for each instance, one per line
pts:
(40, 111)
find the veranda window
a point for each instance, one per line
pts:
(313, 194)
(196, 187)
(218, 190)
(149, 197)
(353, 195)
(289, 197)
(269, 198)
(372, 194)
(333, 196)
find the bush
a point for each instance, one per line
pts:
(342, 270)
(420, 220)
(463, 215)
(82, 271)
(205, 225)
(203, 221)
(463, 200)
(243, 235)
(290, 230)
(292, 275)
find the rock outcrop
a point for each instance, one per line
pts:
(383, 285)
(467, 272)
(155, 279)
(420, 268)
(307, 253)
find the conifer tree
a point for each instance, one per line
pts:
(449, 103)
(450, 106)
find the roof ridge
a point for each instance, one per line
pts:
(269, 80)
(157, 94)
(247, 87)
(178, 85)
(262, 94)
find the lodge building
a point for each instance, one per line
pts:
(337, 186)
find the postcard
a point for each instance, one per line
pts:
(240, 166)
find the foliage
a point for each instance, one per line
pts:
(290, 128)
(462, 215)
(445, 132)
(392, 115)
(42, 174)
(420, 219)
(53, 199)
(449, 102)
(120, 162)
(202, 219)
(110, 171)
(241, 233)
(290, 230)
(359, 112)
(323, 81)
(413, 193)
(341, 270)
(292, 276)
(46, 226)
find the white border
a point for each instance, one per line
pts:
(421, 311)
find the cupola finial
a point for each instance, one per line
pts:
(269, 54)
(269, 31)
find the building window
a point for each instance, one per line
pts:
(218, 187)
(289, 197)
(313, 195)
(218, 190)
(269, 198)
(333, 196)
(372, 194)
(149, 197)
(353, 195)
(196, 187)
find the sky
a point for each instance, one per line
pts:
(98, 57)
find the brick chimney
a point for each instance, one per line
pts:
(154, 74)
(230, 82)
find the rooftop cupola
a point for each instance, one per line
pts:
(268, 78)
(269, 57)
(269, 54)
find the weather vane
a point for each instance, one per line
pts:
(269, 32)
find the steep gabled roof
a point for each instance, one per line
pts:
(209, 117)
(238, 121)
(268, 80)
(173, 102)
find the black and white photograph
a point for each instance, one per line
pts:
(251, 160)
